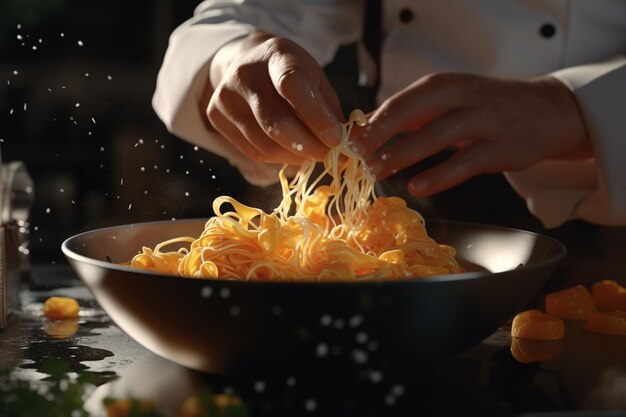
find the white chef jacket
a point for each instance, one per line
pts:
(580, 42)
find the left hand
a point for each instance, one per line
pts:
(496, 125)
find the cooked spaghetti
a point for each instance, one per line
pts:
(334, 231)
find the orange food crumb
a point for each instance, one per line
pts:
(57, 308)
(534, 324)
(608, 295)
(572, 303)
(127, 407)
(607, 322)
(528, 350)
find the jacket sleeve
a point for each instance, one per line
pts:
(319, 28)
(592, 190)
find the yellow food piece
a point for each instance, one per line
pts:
(607, 322)
(536, 325)
(194, 407)
(571, 304)
(608, 295)
(127, 407)
(57, 308)
(529, 350)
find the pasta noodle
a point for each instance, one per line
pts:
(334, 231)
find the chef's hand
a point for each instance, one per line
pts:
(270, 98)
(495, 125)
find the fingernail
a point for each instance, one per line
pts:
(419, 186)
(331, 136)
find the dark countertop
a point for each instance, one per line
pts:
(587, 378)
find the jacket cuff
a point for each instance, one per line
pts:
(592, 190)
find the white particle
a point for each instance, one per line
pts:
(145, 192)
(162, 146)
(61, 190)
(225, 293)
(93, 120)
(277, 310)
(291, 381)
(195, 148)
(384, 156)
(77, 105)
(73, 202)
(15, 72)
(299, 147)
(321, 350)
(397, 390)
(167, 170)
(156, 167)
(80, 43)
(376, 376)
(212, 177)
(202, 161)
(140, 141)
(130, 205)
(48, 210)
(11, 111)
(19, 26)
(186, 172)
(62, 34)
(25, 106)
(121, 181)
(20, 37)
(142, 169)
(186, 193)
(109, 77)
(206, 292)
(101, 148)
(326, 320)
(34, 48)
(181, 157)
(310, 405)
(259, 386)
(355, 321)
(86, 74)
(362, 337)
(40, 40)
(359, 356)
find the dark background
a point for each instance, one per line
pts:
(76, 81)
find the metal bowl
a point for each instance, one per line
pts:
(228, 327)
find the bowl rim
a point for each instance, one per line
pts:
(73, 255)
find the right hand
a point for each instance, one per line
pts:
(269, 98)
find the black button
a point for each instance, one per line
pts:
(547, 30)
(406, 15)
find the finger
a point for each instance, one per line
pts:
(460, 167)
(415, 106)
(294, 85)
(232, 134)
(235, 108)
(453, 128)
(279, 122)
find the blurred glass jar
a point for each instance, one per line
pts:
(16, 199)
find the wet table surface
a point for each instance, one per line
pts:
(585, 376)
